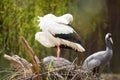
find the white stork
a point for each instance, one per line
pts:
(57, 32)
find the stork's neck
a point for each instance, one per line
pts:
(108, 45)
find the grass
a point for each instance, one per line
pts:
(111, 76)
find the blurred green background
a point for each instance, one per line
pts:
(92, 20)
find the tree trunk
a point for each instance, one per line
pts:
(114, 27)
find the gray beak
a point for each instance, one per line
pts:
(111, 40)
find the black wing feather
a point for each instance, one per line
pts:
(73, 37)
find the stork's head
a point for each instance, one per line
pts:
(68, 17)
(108, 37)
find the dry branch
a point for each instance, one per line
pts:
(36, 67)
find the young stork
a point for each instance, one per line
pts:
(99, 60)
(57, 32)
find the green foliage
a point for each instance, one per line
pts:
(19, 18)
(57, 7)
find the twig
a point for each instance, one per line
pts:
(70, 68)
(57, 69)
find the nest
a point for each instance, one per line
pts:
(22, 69)
(49, 69)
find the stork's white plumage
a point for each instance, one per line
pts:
(49, 40)
(57, 32)
(56, 25)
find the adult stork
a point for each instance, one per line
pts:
(97, 61)
(57, 32)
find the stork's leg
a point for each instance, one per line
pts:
(58, 54)
(58, 51)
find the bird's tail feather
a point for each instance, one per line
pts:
(73, 45)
